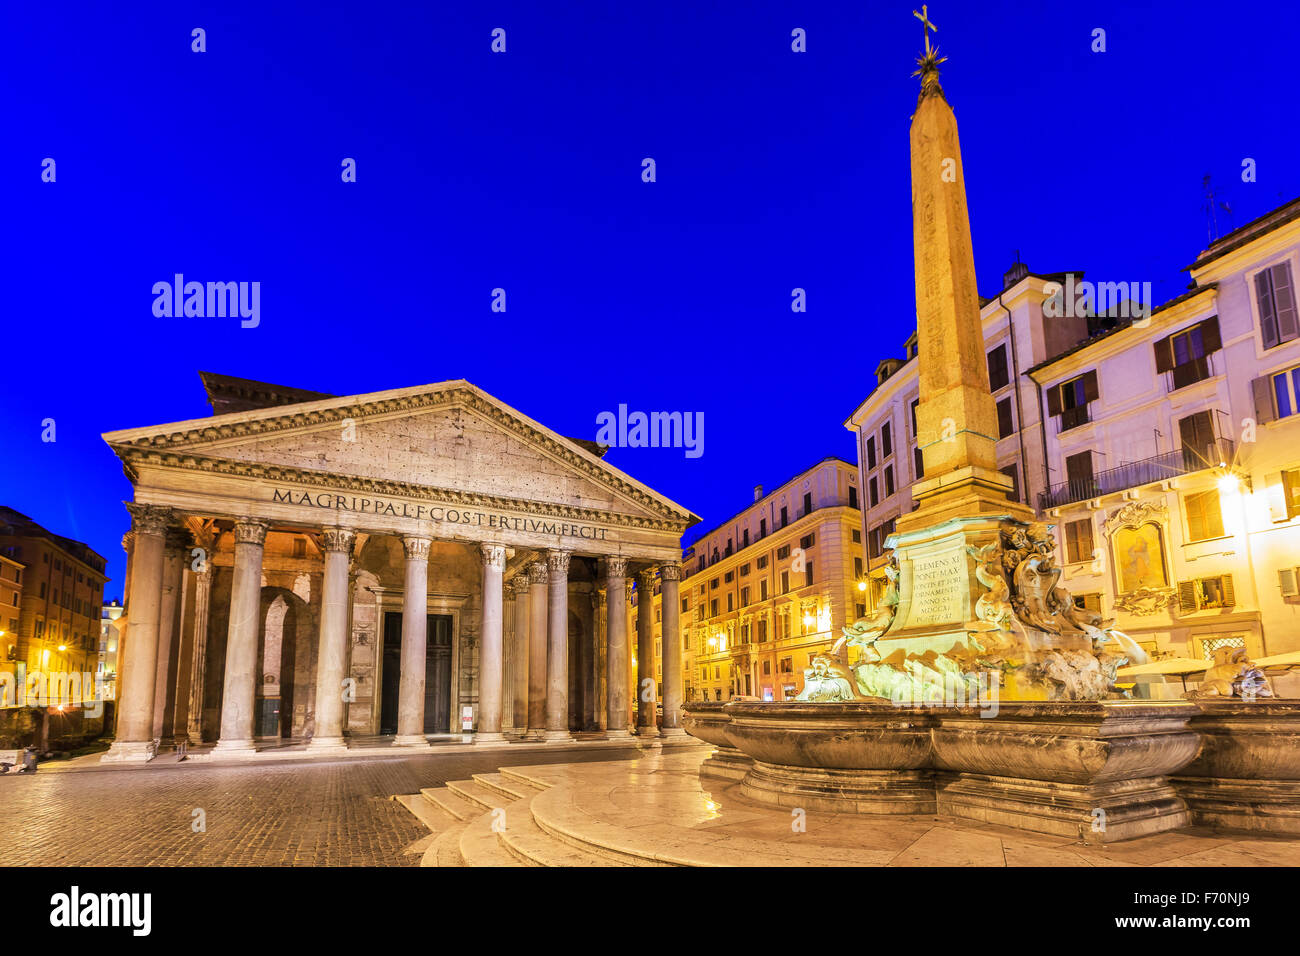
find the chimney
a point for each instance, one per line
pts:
(1013, 275)
(758, 492)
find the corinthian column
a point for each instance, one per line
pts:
(332, 662)
(670, 639)
(536, 648)
(616, 654)
(646, 724)
(519, 587)
(557, 669)
(169, 639)
(415, 642)
(138, 659)
(198, 669)
(490, 648)
(237, 700)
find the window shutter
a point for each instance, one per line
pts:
(1276, 492)
(1054, 400)
(1071, 540)
(1264, 299)
(1090, 386)
(1288, 326)
(1211, 338)
(1287, 580)
(1262, 391)
(1164, 355)
(1229, 595)
(1187, 596)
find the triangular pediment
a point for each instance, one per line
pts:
(451, 438)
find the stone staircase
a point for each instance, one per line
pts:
(498, 819)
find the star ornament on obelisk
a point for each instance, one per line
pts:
(928, 62)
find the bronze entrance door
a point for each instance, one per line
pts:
(437, 673)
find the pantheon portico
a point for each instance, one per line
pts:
(305, 567)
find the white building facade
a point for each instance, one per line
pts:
(1163, 445)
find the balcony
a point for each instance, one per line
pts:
(1190, 372)
(1074, 417)
(1181, 461)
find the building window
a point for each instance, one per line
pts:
(761, 562)
(713, 585)
(744, 597)
(889, 480)
(807, 503)
(886, 441)
(1012, 472)
(916, 435)
(871, 452)
(1069, 400)
(731, 602)
(713, 608)
(997, 360)
(918, 463)
(853, 496)
(1185, 356)
(762, 590)
(1277, 395)
(785, 582)
(873, 491)
(1205, 594)
(762, 527)
(745, 540)
(807, 541)
(857, 567)
(785, 517)
(1088, 602)
(1078, 474)
(808, 573)
(787, 665)
(1275, 296)
(857, 535)
(729, 576)
(767, 668)
(744, 569)
(1078, 541)
(1204, 517)
(1005, 425)
(783, 552)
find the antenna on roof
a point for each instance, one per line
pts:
(1211, 226)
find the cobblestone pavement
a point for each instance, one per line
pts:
(301, 813)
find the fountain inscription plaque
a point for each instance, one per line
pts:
(936, 581)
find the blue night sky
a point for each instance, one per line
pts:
(523, 171)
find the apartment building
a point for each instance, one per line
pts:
(770, 587)
(1163, 444)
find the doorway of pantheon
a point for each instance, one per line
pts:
(437, 673)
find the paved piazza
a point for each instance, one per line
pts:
(291, 813)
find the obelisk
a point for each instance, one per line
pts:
(956, 419)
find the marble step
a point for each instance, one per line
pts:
(523, 776)
(445, 850)
(451, 804)
(476, 793)
(479, 845)
(528, 842)
(427, 812)
(508, 788)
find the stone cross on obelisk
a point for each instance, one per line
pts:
(956, 419)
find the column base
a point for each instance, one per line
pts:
(554, 735)
(226, 746)
(618, 735)
(535, 735)
(489, 737)
(326, 745)
(672, 732)
(408, 740)
(647, 733)
(164, 744)
(129, 751)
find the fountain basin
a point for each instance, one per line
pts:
(706, 720)
(1247, 774)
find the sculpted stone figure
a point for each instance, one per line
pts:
(1234, 674)
(828, 679)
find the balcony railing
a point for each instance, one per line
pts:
(1074, 417)
(1190, 372)
(1181, 461)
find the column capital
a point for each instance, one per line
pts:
(149, 519)
(251, 531)
(519, 583)
(537, 572)
(416, 547)
(128, 541)
(616, 567)
(337, 539)
(670, 571)
(627, 590)
(558, 562)
(494, 556)
(645, 578)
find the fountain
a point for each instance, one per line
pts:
(979, 689)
